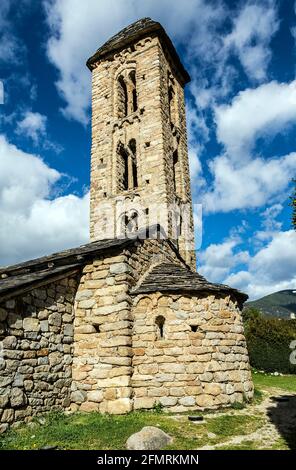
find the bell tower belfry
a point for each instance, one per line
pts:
(139, 163)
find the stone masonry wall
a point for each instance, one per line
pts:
(200, 362)
(36, 351)
(156, 134)
(102, 365)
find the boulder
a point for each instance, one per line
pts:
(149, 438)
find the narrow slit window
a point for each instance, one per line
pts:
(97, 327)
(160, 321)
(122, 167)
(122, 98)
(134, 169)
(127, 166)
(175, 163)
(134, 97)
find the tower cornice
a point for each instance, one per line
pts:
(133, 33)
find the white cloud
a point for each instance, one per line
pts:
(240, 179)
(252, 26)
(255, 112)
(10, 46)
(253, 29)
(198, 134)
(249, 185)
(97, 21)
(32, 125)
(270, 224)
(1, 92)
(77, 30)
(271, 269)
(194, 23)
(218, 259)
(33, 222)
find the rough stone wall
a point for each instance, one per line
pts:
(102, 336)
(201, 360)
(151, 127)
(175, 139)
(108, 130)
(36, 351)
(102, 364)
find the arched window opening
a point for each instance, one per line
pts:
(127, 166)
(159, 321)
(122, 98)
(123, 177)
(130, 222)
(133, 149)
(127, 94)
(134, 98)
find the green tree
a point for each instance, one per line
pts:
(250, 313)
(293, 204)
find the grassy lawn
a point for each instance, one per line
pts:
(266, 381)
(95, 431)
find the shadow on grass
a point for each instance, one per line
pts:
(283, 416)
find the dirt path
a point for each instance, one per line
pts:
(278, 409)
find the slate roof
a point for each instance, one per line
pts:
(165, 277)
(22, 277)
(134, 32)
(169, 277)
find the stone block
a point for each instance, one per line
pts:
(17, 398)
(9, 342)
(119, 268)
(119, 406)
(84, 294)
(149, 438)
(187, 401)
(144, 403)
(89, 303)
(212, 389)
(172, 368)
(7, 416)
(205, 401)
(121, 381)
(89, 406)
(95, 395)
(168, 401)
(55, 319)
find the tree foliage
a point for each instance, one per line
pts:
(268, 341)
(293, 204)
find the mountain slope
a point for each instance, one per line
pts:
(279, 304)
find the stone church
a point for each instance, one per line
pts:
(125, 322)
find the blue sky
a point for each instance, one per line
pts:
(241, 112)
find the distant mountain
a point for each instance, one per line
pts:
(280, 304)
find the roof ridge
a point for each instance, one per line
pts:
(179, 278)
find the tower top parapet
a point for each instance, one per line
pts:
(133, 33)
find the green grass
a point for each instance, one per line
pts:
(285, 382)
(247, 445)
(94, 431)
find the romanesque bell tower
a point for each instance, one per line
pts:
(139, 164)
